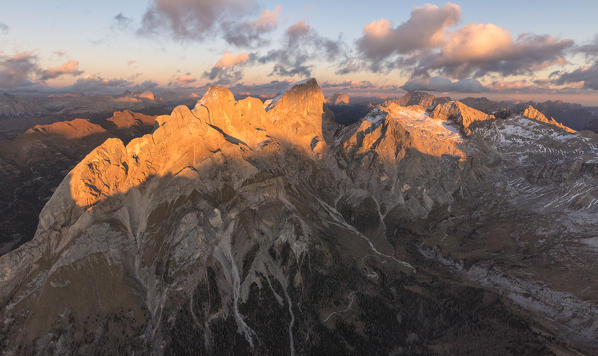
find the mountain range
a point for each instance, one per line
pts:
(424, 227)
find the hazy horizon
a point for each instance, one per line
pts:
(507, 51)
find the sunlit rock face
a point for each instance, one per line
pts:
(127, 119)
(266, 228)
(532, 113)
(460, 113)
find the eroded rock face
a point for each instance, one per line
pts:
(244, 227)
(460, 113)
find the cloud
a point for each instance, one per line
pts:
(424, 29)
(506, 85)
(97, 84)
(3, 28)
(425, 46)
(191, 19)
(182, 80)
(18, 70)
(300, 45)
(226, 70)
(250, 33)
(478, 49)
(354, 84)
(589, 49)
(121, 22)
(444, 84)
(588, 75)
(70, 68)
(228, 60)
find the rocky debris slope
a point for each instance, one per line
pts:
(266, 228)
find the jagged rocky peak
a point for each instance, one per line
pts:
(460, 113)
(303, 96)
(532, 113)
(218, 123)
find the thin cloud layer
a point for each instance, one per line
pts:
(182, 80)
(121, 22)
(97, 84)
(68, 68)
(445, 85)
(3, 28)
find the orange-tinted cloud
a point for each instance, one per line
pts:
(478, 49)
(228, 60)
(183, 79)
(425, 44)
(424, 29)
(70, 68)
(226, 70)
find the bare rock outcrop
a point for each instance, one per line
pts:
(533, 114)
(460, 113)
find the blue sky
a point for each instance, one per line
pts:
(56, 32)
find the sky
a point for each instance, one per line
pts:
(509, 49)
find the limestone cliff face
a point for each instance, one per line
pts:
(266, 228)
(460, 113)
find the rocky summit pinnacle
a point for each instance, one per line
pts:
(532, 113)
(266, 228)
